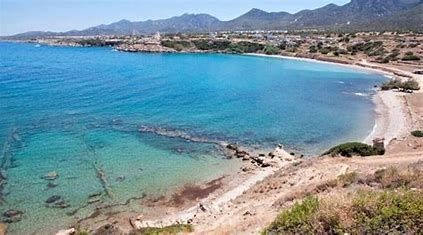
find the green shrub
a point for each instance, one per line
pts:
(271, 50)
(313, 49)
(387, 212)
(418, 134)
(177, 45)
(173, 229)
(410, 84)
(297, 220)
(213, 45)
(409, 56)
(245, 47)
(354, 149)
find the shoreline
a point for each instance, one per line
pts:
(390, 120)
(388, 108)
(391, 115)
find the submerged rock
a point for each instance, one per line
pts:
(52, 185)
(57, 201)
(98, 194)
(53, 199)
(13, 216)
(93, 200)
(51, 176)
(62, 204)
(120, 178)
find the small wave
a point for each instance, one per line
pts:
(361, 94)
(340, 82)
(38, 45)
(357, 94)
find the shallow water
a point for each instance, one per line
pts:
(77, 111)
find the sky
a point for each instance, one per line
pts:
(17, 16)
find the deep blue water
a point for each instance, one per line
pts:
(75, 110)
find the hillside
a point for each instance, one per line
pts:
(358, 15)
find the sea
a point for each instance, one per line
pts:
(98, 127)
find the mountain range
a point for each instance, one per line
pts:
(362, 15)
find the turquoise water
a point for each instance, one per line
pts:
(77, 111)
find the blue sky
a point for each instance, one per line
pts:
(18, 16)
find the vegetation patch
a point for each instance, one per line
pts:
(271, 50)
(391, 178)
(177, 45)
(409, 56)
(354, 149)
(245, 47)
(391, 212)
(410, 84)
(417, 133)
(173, 229)
(371, 48)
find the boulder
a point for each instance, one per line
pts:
(265, 164)
(246, 158)
(240, 154)
(232, 147)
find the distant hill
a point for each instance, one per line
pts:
(357, 15)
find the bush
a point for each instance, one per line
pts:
(177, 45)
(214, 45)
(418, 134)
(313, 49)
(410, 84)
(245, 47)
(410, 58)
(174, 229)
(391, 178)
(388, 212)
(297, 220)
(354, 149)
(271, 50)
